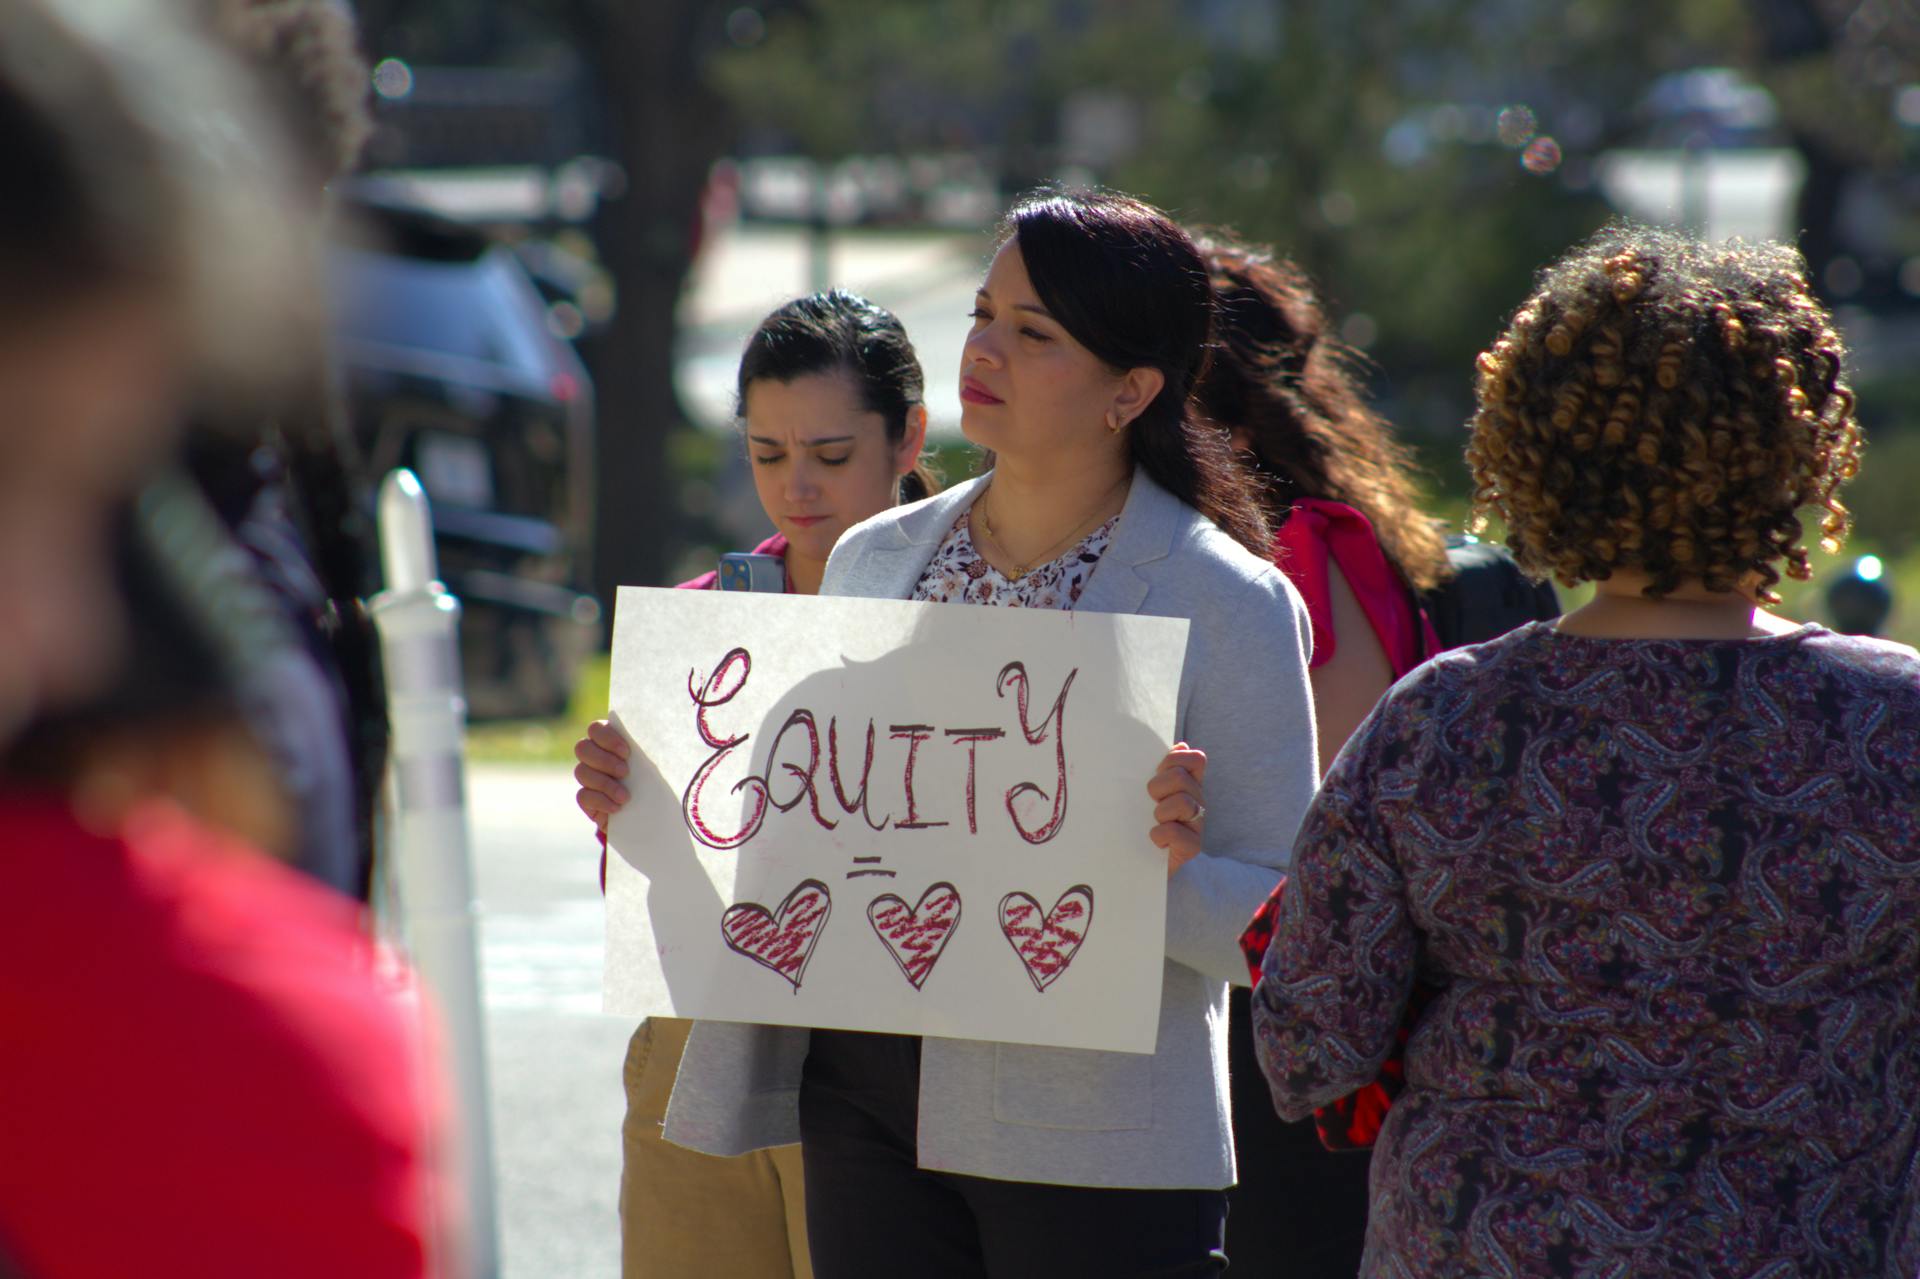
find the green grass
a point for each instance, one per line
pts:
(544, 741)
(1803, 601)
(1806, 601)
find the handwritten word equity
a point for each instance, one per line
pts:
(802, 772)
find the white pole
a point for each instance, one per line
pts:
(429, 853)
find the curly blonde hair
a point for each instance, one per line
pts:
(1668, 406)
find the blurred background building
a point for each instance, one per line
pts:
(634, 185)
(574, 211)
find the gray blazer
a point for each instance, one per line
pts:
(1073, 1116)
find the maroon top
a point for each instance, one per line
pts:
(1668, 892)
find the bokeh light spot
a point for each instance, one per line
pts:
(1844, 277)
(1516, 126)
(1868, 568)
(1910, 277)
(746, 28)
(1906, 106)
(1541, 157)
(392, 79)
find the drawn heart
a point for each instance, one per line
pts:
(1047, 943)
(916, 935)
(781, 939)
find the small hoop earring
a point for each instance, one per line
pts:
(1113, 425)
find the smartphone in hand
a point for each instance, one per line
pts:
(747, 571)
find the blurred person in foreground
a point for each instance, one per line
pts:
(1350, 535)
(277, 477)
(1661, 858)
(209, 1071)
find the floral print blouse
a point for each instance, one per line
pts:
(958, 575)
(1669, 895)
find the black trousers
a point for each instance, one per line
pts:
(1299, 1210)
(872, 1212)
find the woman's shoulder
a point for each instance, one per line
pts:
(1870, 656)
(924, 521)
(1496, 664)
(1228, 593)
(1320, 517)
(1207, 557)
(1865, 668)
(891, 524)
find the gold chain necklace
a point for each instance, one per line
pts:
(1020, 570)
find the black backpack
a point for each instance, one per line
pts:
(1487, 595)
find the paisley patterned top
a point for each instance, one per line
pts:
(958, 575)
(1669, 892)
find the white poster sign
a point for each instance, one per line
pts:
(882, 815)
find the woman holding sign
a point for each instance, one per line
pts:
(964, 1157)
(830, 396)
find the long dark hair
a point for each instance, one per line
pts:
(1282, 375)
(842, 332)
(1131, 287)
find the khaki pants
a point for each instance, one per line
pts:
(685, 1215)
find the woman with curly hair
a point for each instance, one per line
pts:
(1661, 858)
(1350, 534)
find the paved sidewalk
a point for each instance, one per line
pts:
(555, 1061)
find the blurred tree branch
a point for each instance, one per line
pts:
(1357, 136)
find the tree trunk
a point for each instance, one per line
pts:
(1817, 215)
(1791, 31)
(667, 128)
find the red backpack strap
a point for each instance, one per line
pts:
(1351, 1122)
(1319, 531)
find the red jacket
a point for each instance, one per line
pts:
(206, 1071)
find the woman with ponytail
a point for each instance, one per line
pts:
(830, 402)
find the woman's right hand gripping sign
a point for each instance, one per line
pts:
(603, 766)
(1179, 809)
